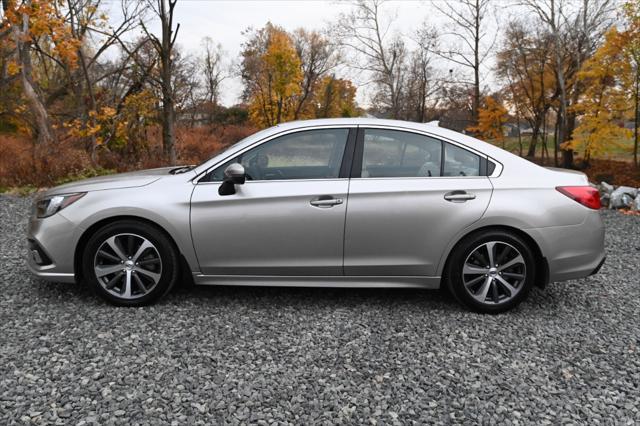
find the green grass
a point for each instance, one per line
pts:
(85, 174)
(72, 177)
(18, 190)
(623, 151)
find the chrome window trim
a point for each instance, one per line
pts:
(267, 139)
(425, 132)
(280, 180)
(421, 177)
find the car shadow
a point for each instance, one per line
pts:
(257, 297)
(195, 294)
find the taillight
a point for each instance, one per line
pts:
(585, 195)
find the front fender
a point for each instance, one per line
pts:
(167, 206)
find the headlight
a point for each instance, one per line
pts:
(49, 206)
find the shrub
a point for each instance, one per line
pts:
(23, 163)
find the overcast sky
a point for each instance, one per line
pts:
(225, 20)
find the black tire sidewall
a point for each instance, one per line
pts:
(166, 250)
(459, 256)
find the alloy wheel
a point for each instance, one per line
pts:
(128, 266)
(494, 272)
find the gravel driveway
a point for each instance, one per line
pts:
(571, 353)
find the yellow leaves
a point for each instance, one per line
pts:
(607, 78)
(96, 126)
(46, 23)
(491, 119)
(13, 68)
(334, 97)
(283, 65)
(276, 76)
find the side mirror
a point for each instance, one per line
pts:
(234, 175)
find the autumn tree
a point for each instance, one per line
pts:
(131, 83)
(492, 117)
(524, 63)
(576, 29)
(88, 23)
(335, 97)
(317, 57)
(29, 20)
(271, 71)
(605, 101)
(631, 52)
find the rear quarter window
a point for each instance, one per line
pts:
(460, 162)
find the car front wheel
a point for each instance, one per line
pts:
(491, 271)
(130, 263)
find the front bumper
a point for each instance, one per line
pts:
(51, 243)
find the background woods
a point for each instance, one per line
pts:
(86, 91)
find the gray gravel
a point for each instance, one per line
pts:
(570, 354)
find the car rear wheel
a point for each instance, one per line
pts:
(491, 271)
(130, 263)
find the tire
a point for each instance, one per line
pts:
(130, 263)
(491, 289)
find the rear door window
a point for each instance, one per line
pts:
(394, 153)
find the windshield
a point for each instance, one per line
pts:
(251, 138)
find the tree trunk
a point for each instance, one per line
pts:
(567, 154)
(168, 102)
(636, 118)
(555, 141)
(519, 133)
(531, 153)
(476, 68)
(563, 133)
(168, 128)
(41, 119)
(545, 150)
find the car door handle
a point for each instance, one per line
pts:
(459, 196)
(325, 202)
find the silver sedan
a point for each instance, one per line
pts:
(336, 202)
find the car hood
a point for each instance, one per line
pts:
(120, 180)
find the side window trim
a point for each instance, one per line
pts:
(443, 147)
(356, 165)
(349, 153)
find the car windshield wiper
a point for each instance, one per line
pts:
(181, 169)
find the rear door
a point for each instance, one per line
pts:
(409, 195)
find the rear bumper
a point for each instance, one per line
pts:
(575, 251)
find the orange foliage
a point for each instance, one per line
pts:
(46, 19)
(613, 172)
(22, 162)
(18, 167)
(492, 117)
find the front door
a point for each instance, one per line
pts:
(410, 195)
(288, 217)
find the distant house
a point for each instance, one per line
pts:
(511, 130)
